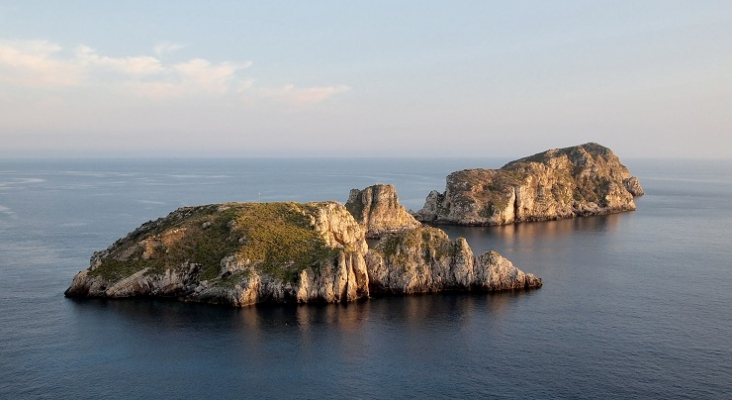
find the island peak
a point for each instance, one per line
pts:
(559, 183)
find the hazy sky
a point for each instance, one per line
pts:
(368, 78)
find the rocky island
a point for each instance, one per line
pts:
(241, 254)
(559, 183)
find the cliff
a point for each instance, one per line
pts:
(425, 260)
(246, 253)
(378, 211)
(560, 183)
(237, 254)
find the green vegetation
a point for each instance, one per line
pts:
(537, 158)
(274, 238)
(430, 243)
(231, 280)
(114, 270)
(281, 237)
(389, 244)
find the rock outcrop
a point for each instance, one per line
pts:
(246, 253)
(237, 254)
(378, 211)
(425, 260)
(560, 183)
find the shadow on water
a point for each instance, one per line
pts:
(366, 346)
(525, 244)
(170, 315)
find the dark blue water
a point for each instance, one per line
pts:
(635, 305)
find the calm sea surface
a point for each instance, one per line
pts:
(636, 305)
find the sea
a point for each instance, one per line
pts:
(635, 305)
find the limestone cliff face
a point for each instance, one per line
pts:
(246, 253)
(237, 254)
(425, 260)
(378, 211)
(560, 183)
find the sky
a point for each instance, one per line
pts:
(649, 79)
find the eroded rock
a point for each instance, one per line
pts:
(424, 260)
(560, 183)
(237, 254)
(377, 209)
(240, 254)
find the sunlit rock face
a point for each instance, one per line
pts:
(560, 183)
(424, 260)
(378, 211)
(237, 254)
(241, 254)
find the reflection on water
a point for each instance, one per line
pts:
(416, 310)
(366, 346)
(605, 324)
(533, 234)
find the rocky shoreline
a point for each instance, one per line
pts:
(240, 254)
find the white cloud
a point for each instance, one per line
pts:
(197, 76)
(44, 65)
(164, 48)
(141, 65)
(201, 74)
(33, 63)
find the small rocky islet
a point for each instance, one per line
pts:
(241, 254)
(563, 183)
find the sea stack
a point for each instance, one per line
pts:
(424, 260)
(559, 183)
(377, 209)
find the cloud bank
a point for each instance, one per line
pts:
(44, 65)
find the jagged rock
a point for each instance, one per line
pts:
(246, 253)
(378, 211)
(425, 260)
(633, 186)
(560, 183)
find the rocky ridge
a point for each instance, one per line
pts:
(237, 254)
(241, 254)
(559, 183)
(425, 260)
(377, 209)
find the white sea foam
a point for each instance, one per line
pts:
(74, 224)
(151, 202)
(7, 211)
(20, 181)
(196, 176)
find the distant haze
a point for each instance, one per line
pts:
(364, 79)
